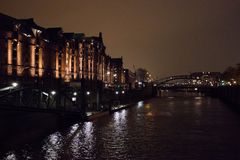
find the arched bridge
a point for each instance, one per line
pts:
(172, 78)
(196, 79)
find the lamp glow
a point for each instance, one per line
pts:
(14, 84)
(53, 93)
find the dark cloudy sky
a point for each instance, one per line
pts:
(166, 37)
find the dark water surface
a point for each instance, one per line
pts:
(177, 126)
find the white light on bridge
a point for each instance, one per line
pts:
(123, 92)
(53, 93)
(14, 84)
(116, 92)
(44, 93)
(74, 93)
(88, 93)
(195, 89)
(74, 99)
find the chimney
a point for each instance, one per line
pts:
(100, 34)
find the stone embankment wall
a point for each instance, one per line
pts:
(229, 94)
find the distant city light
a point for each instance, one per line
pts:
(88, 93)
(74, 93)
(195, 89)
(123, 92)
(116, 92)
(108, 72)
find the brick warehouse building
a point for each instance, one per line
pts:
(55, 68)
(29, 50)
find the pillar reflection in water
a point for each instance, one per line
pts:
(198, 101)
(198, 105)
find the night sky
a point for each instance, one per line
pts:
(167, 37)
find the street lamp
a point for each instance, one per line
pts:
(53, 93)
(14, 84)
(74, 99)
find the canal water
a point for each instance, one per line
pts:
(186, 126)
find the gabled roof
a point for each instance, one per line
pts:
(117, 61)
(6, 22)
(25, 26)
(68, 36)
(30, 22)
(54, 34)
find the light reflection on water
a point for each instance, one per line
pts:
(147, 106)
(83, 143)
(73, 129)
(10, 156)
(140, 104)
(52, 146)
(176, 128)
(115, 143)
(198, 104)
(120, 118)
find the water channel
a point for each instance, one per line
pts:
(177, 126)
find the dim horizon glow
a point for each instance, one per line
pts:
(167, 37)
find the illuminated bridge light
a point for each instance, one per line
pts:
(53, 93)
(14, 84)
(74, 99)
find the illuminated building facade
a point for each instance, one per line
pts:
(28, 50)
(118, 71)
(130, 79)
